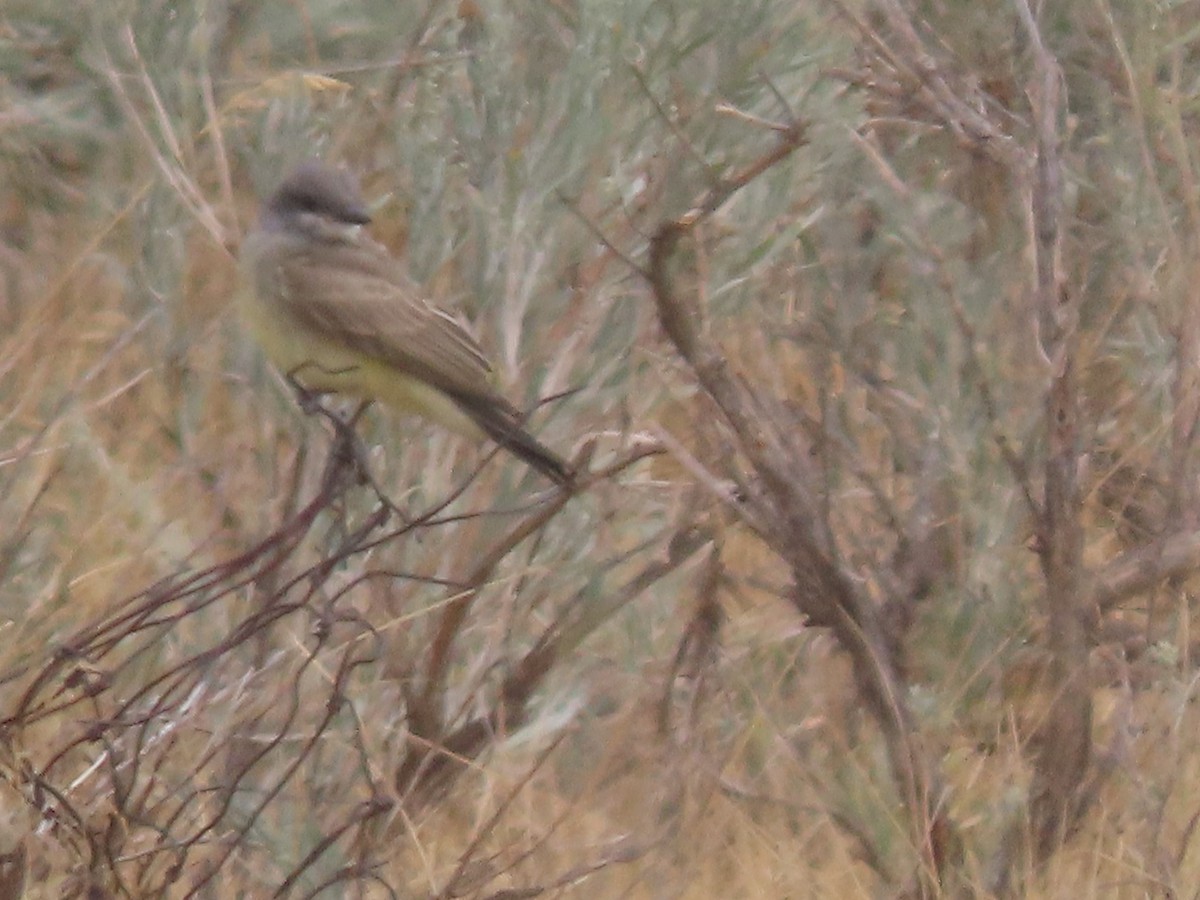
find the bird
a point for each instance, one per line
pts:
(336, 312)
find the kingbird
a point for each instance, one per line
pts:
(336, 312)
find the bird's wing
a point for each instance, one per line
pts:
(356, 294)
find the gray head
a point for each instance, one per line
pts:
(322, 201)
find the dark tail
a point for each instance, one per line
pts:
(503, 424)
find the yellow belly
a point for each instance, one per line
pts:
(324, 364)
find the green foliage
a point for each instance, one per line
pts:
(872, 290)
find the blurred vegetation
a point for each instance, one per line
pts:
(234, 664)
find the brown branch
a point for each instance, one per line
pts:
(426, 720)
(823, 591)
(433, 759)
(923, 81)
(1141, 569)
(1064, 744)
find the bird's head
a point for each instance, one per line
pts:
(320, 200)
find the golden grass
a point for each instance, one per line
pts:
(142, 440)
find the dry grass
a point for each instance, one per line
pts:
(229, 667)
